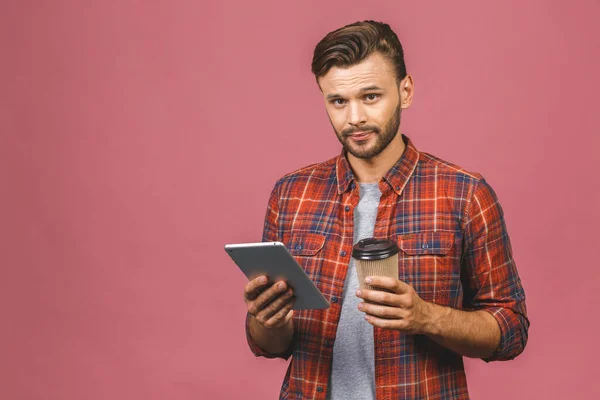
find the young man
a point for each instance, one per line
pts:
(458, 292)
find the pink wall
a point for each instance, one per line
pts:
(136, 138)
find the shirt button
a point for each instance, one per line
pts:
(352, 185)
(299, 247)
(334, 299)
(328, 343)
(347, 208)
(425, 246)
(319, 389)
(343, 253)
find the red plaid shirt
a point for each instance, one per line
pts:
(455, 251)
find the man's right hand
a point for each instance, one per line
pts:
(270, 304)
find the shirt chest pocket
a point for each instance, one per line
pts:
(430, 262)
(305, 244)
(307, 249)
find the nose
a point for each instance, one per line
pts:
(357, 115)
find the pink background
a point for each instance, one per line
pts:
(137, 138)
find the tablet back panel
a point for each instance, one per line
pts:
(275, 261)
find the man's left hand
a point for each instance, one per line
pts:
(401, 310)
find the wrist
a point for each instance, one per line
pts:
(436, 315)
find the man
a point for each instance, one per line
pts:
(458, 292)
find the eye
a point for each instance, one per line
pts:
(372, 97)
(338, 102)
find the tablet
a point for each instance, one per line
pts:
(274, 260)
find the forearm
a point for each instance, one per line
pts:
(271, 340)
(474, 334)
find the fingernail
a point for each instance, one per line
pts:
(368, 280)
(358, 293)
(281, 285)
(263, 279)
(360, 306)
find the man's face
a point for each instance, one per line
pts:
(364, 104)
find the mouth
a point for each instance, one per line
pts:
(361, 136)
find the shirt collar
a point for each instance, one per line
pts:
(397, 177)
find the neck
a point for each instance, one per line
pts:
(373, 169)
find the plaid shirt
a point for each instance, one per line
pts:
(455, 251)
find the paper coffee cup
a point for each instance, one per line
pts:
(375, 257)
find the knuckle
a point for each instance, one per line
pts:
(269, 293)
(283, 312)
(407, 315)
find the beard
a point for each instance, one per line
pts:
(383, 138)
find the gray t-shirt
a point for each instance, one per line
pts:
(353, 365)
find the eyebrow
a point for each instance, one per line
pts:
(370, 88)
(362, 90)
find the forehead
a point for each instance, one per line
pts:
(375, 70)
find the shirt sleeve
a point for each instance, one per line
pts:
(492, 281)
(270, 234)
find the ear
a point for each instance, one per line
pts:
(407, 91)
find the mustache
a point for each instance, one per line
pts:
(365, 128)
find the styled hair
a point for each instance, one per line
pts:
(353, 43)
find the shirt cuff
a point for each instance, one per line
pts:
(513, 335)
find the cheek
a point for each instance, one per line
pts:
(338, 119)
(381, 114)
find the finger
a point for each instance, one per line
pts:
(254, 286)
(381, 311)
(266, 297)
(396, 324)
(274, 306)
(282, 316)
(386, 282)
(379, 297)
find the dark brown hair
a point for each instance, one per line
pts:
(353, 43)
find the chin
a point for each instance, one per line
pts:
(361, 151)
(363, 154)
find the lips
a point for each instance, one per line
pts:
(361, 136)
